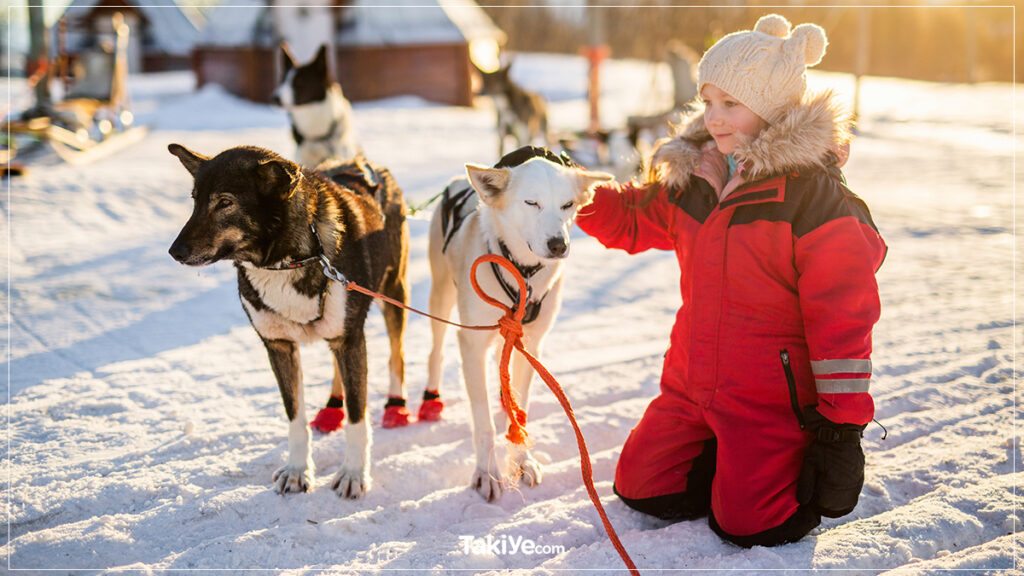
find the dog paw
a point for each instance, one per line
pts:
(328, 420)
(486, 485)
(528, 470)
(293, 479)
(351, 484)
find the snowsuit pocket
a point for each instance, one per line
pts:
(791, 382)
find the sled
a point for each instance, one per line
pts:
(93, 120)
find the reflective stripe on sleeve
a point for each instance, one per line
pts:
(842, 386)
(843, 366)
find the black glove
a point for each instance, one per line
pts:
(833, 471)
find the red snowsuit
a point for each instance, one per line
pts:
(782, 267)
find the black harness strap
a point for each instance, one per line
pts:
(532, 305)
(451, 213)
(520, 155)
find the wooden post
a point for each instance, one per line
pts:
(971, 23)
(38, 66)
(119, 101)
(595, 53)
(863, 56)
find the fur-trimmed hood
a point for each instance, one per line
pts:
(810, 134)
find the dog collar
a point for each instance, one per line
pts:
(532, 306)
(295, 265)
(527, 271)
(292, 265)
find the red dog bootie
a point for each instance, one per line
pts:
(396, 414)
(331, 417)
(431, 408)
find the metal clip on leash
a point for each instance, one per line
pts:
(331, 272)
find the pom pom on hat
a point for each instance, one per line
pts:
(764, 68)
(773, 25)
(814, 40)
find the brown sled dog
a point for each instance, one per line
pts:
(276, 221)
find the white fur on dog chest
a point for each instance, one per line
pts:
(292, 315)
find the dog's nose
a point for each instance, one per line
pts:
(557, 247)
(179, 251)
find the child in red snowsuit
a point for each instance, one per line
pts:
(764, 389)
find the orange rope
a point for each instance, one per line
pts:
(511, 329)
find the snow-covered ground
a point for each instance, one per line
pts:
(144, 424)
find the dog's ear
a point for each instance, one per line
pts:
(279, 177)
(320, 62)
(287, 61)
(490, 183)
(585, 182)
(189, 159)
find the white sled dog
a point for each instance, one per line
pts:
(522, 209)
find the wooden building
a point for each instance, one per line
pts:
(422, 48)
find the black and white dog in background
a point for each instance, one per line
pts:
(321, 116)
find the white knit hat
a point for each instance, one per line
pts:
(764, 68)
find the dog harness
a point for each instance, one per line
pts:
(512, 291)
(358, 176)
(452, 218)
(451, 213)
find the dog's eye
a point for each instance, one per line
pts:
(532, 203)
(224, 203)
(568, 205)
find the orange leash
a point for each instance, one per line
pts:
(511, 329)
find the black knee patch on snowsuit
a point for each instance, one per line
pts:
(694, 502)
(794, 528)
